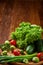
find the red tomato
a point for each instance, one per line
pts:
(16, 52)
(13, 42)
(40, 56)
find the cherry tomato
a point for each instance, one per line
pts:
(13, 42)
(40, 56)
(16, 52)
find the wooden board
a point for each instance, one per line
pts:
(30, 63)
(12, 12)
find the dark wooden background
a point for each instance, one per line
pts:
(12, 12)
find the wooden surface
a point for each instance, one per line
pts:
(12, 12)
(30, 63)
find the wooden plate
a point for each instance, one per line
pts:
(30, 63)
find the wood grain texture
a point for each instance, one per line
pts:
(12, 12)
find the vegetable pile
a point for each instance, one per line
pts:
(26, 34)
(26, 45)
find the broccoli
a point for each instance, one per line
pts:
(26, 34)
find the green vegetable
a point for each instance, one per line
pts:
(26, 34)
(23, 24)
(30, 49)
(4, 59)
(4, 53)
(7, 42)
(21, 44)
(13, 36)
(1, 45)
(25, 61)
(21, 51)
(39, 45)
(3, 48)
(6, 46)
(12, 47)
(35, 59)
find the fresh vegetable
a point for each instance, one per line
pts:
(26, 32)
(21, 51)
(13, 36)
(7, 42)
(21, 44)
(25, 61)
(39, 45)
(16, 52)
(30, 49)
(13, 42)
(6, 46)
(35, 59)
(24, 41)
(3, 48)
(40, 56)
(4, 59)
(12, 47)
(4, 53)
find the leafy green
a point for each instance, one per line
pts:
(21, 44)
(26, 34)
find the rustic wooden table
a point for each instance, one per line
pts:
(12, 12)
